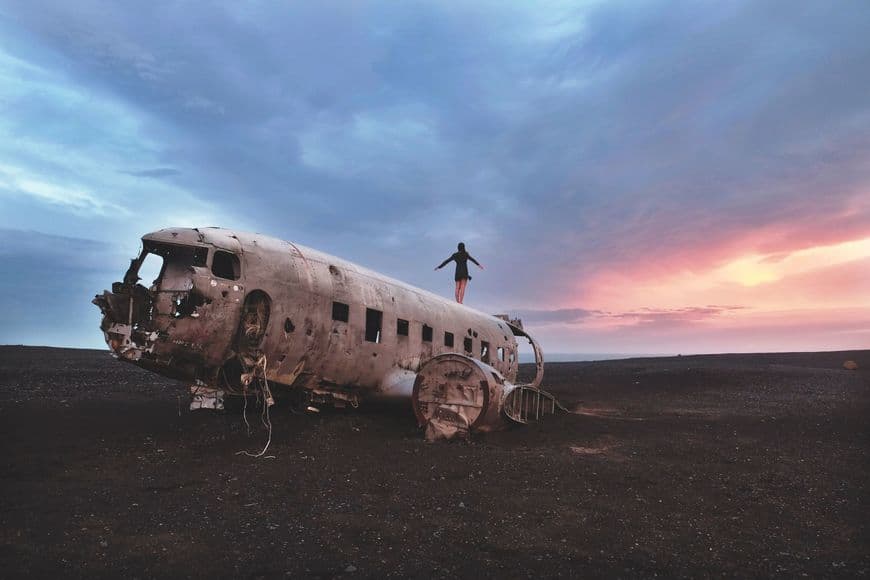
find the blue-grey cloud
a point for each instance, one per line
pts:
(558, 316)
(155, 173)
(47, 284)
(671, 316)
(644, 316)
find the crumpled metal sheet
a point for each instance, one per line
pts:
(446, 424)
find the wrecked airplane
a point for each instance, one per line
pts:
(231, 312)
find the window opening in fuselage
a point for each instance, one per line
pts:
(225, 265)
(427, 333)
(340, 312)
(484, 351)
(200, 256)
(374, 318)
(469, 345)
(150, 269)
(402, 327)
(157, 257)
(448, 339)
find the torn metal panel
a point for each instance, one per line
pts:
(225, 308)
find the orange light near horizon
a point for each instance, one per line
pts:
(749, 272)
(818, 277)
(760, 269)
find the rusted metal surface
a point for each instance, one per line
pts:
(455, 394)
(228, 307)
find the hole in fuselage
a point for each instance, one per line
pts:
(186, 305)
(225, 265)
(255, 319)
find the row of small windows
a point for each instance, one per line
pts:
(374, 325)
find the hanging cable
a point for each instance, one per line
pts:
(268, 401)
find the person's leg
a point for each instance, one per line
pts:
(456, 293)
(462, 284)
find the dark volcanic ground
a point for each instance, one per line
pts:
(736, 465)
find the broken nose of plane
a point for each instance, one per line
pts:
(123, 308)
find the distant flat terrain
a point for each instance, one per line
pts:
(743, 465)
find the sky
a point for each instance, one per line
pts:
(636, 177)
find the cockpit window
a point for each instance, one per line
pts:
(200, 255)
(156, 257)
(150, 269)
(225, 265)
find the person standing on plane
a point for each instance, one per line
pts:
(461, 258)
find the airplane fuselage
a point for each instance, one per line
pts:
(226, 304)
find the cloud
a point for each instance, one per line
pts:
(559, 316)
(66, 252)
(14, 181)
(47, 286)
(671, 316)
(833, 329)
(156, 173)
(645, 316)
(820, 276)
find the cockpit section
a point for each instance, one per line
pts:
(176, 309)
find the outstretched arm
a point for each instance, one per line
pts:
(444, 263)
(475, 261)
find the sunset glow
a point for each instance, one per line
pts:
(827, 276)
(772, 301)
(764, 269)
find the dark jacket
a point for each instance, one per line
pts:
(461, 259)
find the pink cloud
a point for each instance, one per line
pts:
(797, 330)
(811, 298)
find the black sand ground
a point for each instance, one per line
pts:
(735, 465)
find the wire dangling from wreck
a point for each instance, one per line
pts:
(267, 402)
